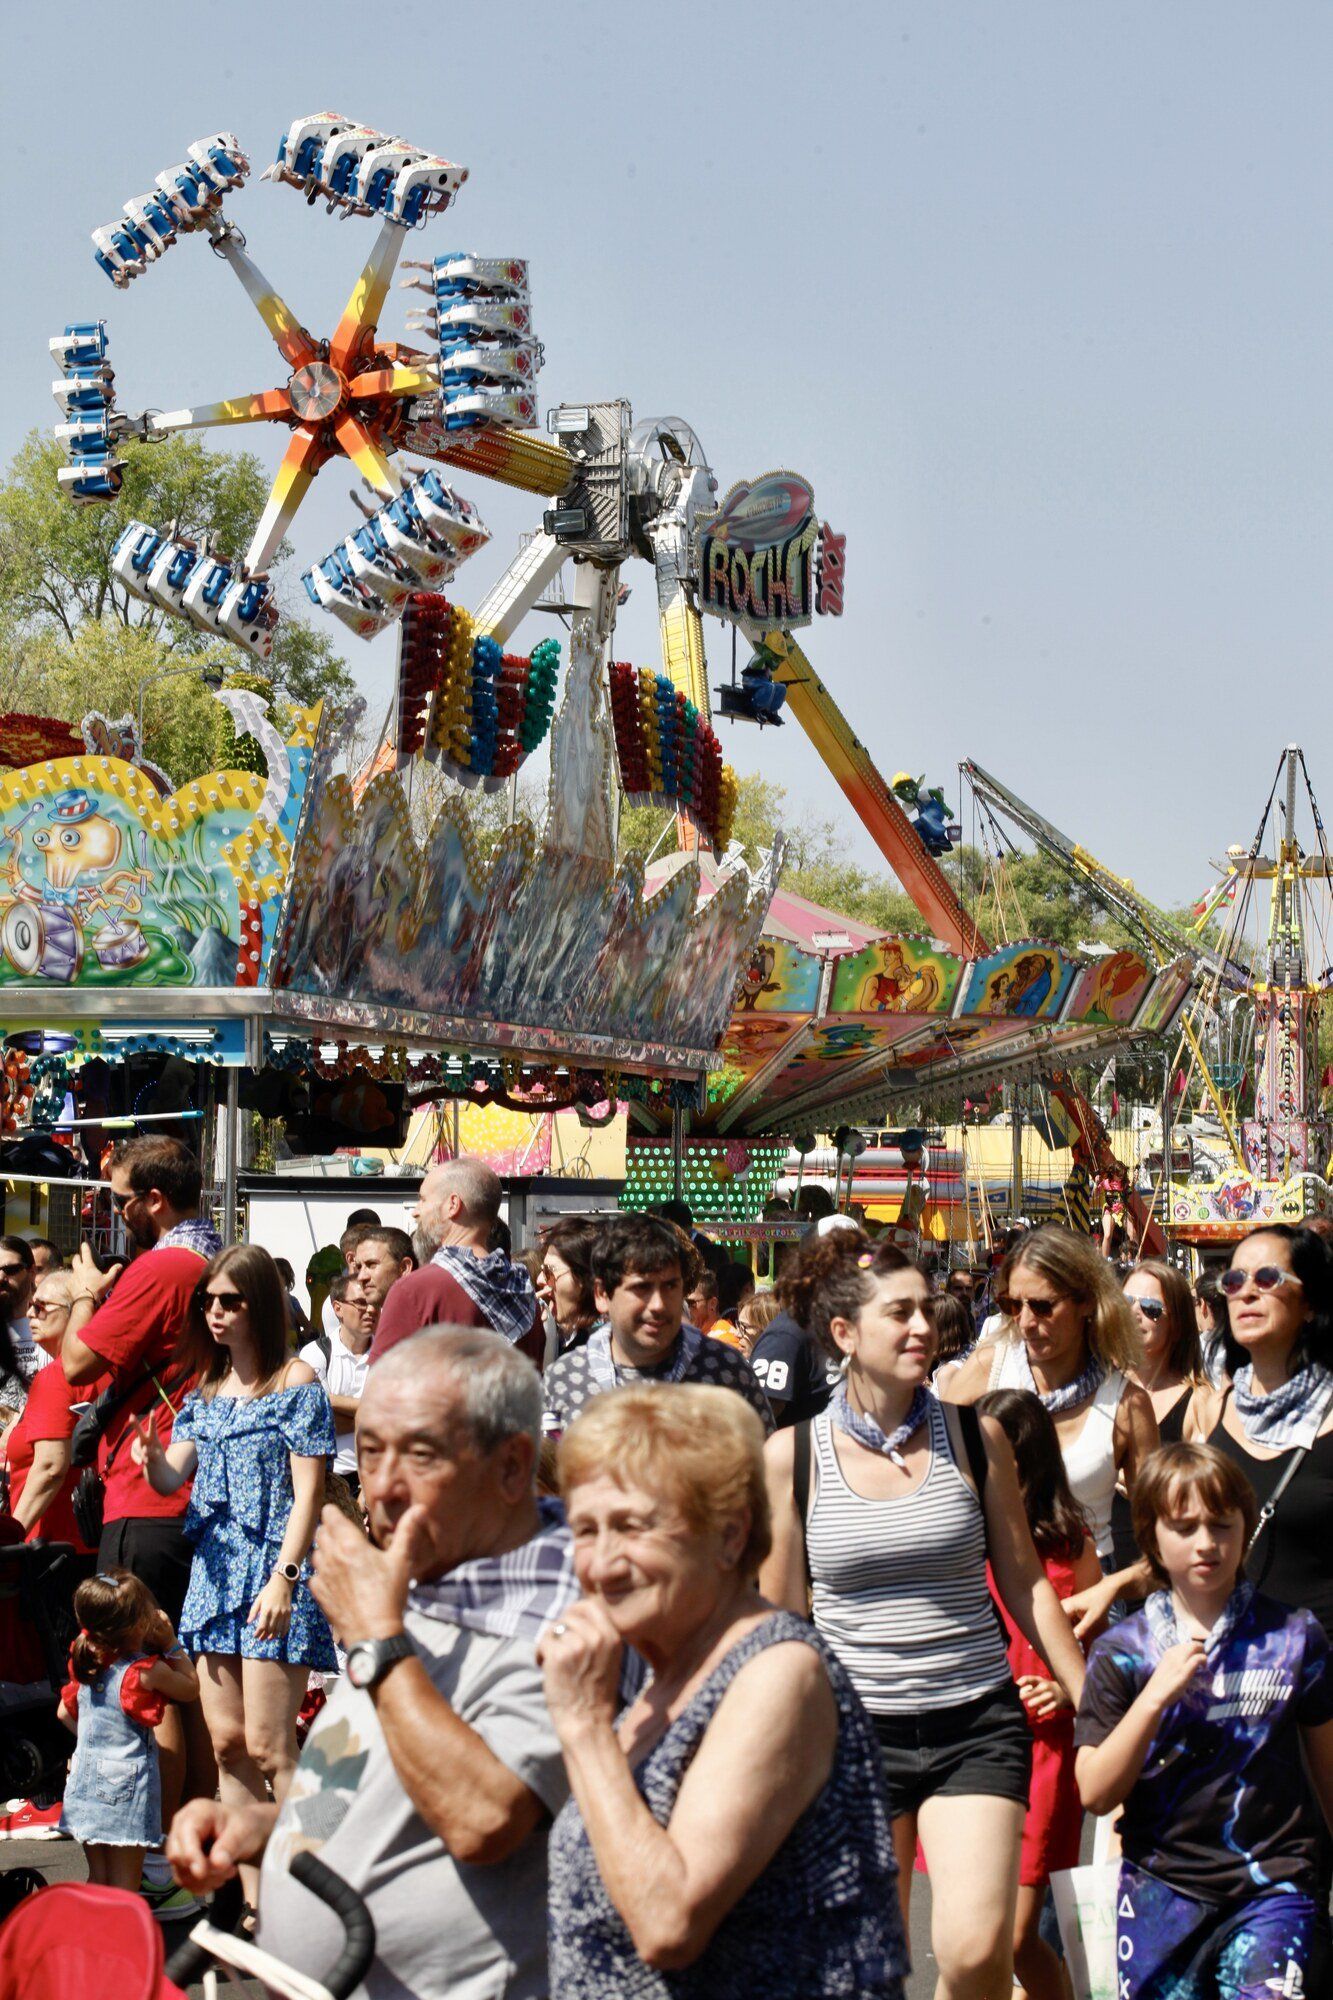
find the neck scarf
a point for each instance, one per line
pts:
(1056, 1401)
(1164, 1627)
(1291, 1415)
(512, 1596)
(498, 1288)
(192, 1234)
(866, 1431)
(673, 1367)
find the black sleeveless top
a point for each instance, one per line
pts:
(1124, 1549)
(1293, 1561)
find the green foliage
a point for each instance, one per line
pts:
(73, 639)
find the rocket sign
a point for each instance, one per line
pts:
(765, 560)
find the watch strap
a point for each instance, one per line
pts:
(387, 1654)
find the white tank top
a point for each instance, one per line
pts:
(1090, 1457)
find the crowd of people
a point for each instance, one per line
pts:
(616, 1628)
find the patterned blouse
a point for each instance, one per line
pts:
(822, 1921)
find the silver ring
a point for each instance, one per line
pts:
(559, 1630)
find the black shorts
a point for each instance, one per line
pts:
(156, 1551)
(979, 1747)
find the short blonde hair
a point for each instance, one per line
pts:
(1075, 1267)
(701, 1449)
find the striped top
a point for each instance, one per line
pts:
(899, 1586)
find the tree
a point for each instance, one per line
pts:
(72, 638)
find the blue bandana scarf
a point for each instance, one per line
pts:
(1291, 1415)
(1056, 1401)
(867, 1432)
(501, 1290)
(193, 1234)
(1160, 1615)
(673, 1369)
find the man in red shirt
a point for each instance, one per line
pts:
(129, 1320)
(466, 1283)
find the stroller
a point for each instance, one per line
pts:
(72, 1940)
(37, 1583)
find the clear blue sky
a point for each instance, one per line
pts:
(1039, 296)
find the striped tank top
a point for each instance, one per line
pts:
(899, 1586)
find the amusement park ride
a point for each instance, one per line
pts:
(302, 910)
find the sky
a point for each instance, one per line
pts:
(1037, 296)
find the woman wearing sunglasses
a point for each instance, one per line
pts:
(37, 1449)
(256, 1436)
(1171, 1370)
(1068, 1336)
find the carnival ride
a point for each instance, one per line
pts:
(552, 970)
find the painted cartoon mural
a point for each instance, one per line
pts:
(1023, 981)
(109, 878)
(1110, 989)
(896, 975)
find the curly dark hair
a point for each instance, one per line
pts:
(834, 1278)
(639, 1243)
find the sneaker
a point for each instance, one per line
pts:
(25, 1821)
(168, 1903)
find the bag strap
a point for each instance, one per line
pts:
(800, 1486)
(975, 1446)
(147, 1376)
(1293, 1466)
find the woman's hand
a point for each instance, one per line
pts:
(580, 1656)
(1087, 1609)
(271, 1612)
(207, 1840)
(1042, 1698)
(1174, 1672)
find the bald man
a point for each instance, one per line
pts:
(465, 1282)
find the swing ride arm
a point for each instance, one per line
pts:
(851, 764)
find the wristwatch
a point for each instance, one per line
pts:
(369, 1660)
(292, 1571)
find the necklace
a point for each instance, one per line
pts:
(859, 1424)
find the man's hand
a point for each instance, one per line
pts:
(208, 1839)
(88, 1282)
(580, 1657)
(362, 1590)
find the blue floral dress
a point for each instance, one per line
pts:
(238, 1514)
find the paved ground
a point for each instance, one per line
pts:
(62, 1861)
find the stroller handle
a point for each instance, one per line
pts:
(190, 1958)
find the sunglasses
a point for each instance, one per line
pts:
(1150, 1308)
(1266, 1279)
(120, 1202)
(229, 1301)
(41, 1307)
(1039, 1308)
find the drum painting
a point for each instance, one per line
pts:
(42, 941)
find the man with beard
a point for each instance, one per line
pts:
(128, 1322)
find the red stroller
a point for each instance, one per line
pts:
(75, 1942)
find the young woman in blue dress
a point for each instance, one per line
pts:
(255, 1435)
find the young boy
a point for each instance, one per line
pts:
(1194, 1717)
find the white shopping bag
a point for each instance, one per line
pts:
(1085, 1900)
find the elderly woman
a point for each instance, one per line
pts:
(37, 1450)
(729, 1836)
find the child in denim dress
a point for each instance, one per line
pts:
(125, 1666)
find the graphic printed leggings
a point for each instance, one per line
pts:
(1172, 1947)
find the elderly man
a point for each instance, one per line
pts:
(430, 1778)
(466, 1283)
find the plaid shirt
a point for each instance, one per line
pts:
(516, 1595)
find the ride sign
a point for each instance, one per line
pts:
(756, 554)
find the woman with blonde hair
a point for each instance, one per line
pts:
(729, 1834)
(1068, 1335)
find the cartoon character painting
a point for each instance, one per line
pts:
(1021, 988)
(85, 896)
(899, 986)
(757, 978)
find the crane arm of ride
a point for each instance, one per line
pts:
(1165, 939)
(851, 764)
